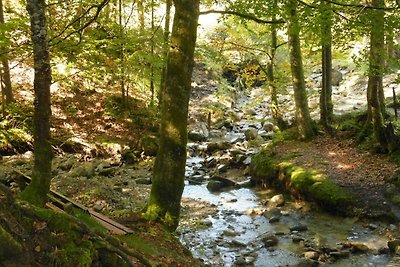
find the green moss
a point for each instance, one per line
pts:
(263, 165)
(309, 183)
(72, 254)
(396, 200)
(139, 244)
(9, 247)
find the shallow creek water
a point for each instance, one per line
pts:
(235, 232)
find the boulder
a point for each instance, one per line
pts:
(196, 136)
(218, 146)
(217, 183)
(276, 201)
(251, 134)
(337, 77)
(311, 255)
(270, 240)
(299, 227)
(149, 145)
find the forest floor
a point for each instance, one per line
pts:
(366, 174)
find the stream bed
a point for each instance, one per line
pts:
(235, 234)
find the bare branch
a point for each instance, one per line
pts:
(98, 8)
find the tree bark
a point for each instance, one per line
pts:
(5, 73)
(376, 66)
(326, 106)
(169, 168)
(36, 191)
(168, 6)
(270, 71)
(303, 118)
(141, 15)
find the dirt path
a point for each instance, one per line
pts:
(363, 173)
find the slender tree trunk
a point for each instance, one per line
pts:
(152, 55)
(5, 72)
(141, 15)
(270, 71)
(36, 191)
(376, 64)
(165, 47)
(122, 53)
(303, 118)
(169, 168)
(326, 106)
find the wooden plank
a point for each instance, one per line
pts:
(101, 217)
(59, 202)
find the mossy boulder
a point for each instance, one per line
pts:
(311, 184)
(149, 145)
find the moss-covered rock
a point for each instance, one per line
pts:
(149, 145)
(9, 247)
(311, 184)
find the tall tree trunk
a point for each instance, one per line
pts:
(168, 6)
(326, 106)
(37, 190)
(270, 71)
(122, 53)
(141, 15)
(5, 72)
(169, 168)
(376, 65)
(303, 118)
(152, 55)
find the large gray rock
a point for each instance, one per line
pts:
(196, 136)
(251, 134)
(217, 183)
(217, 146)
(86, 169)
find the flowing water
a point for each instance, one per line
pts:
(235, 232)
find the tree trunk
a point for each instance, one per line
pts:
(122, 54)
(5, 73)
(376, 65)
(152, 56)
(169, 168)
(165, 47)
(303, 118)
(141, 15)
(270, 71)
(36, 191)
(326, 106)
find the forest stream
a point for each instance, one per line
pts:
(239, 228)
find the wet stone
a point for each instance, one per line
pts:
(299, 228)
(277, 201)
(270, 240)
(311, 255)
(297, 239)
(274, 219)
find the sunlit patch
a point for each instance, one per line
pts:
(345, 166)
(331, 153)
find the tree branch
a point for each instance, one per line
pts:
(98, 8)
(242, 15)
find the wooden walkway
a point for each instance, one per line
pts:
(61, 203)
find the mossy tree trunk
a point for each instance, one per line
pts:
(37, 190)
(169, 168)
(303, 118)
(5, 72)
(276, 113)
(168, 5)
(376, 65)
(326, 106)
